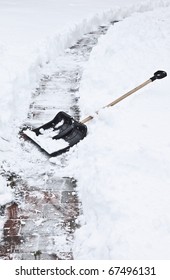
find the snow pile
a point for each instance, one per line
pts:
(122, 166)
(46, 141)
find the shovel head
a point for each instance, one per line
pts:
(58, 135)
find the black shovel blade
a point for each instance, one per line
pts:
(58, 135)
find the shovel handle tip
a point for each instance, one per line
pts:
(158, 75)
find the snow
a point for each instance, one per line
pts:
(122, 166)
(5, 193)
(6, 196)
(46, 141)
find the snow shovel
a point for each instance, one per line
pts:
(63, 132)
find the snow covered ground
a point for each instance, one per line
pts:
(122, 167)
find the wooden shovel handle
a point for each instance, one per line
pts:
(127, 94)
(118, 99)
(157, 75)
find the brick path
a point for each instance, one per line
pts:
(41, 222)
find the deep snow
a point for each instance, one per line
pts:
(122, 166)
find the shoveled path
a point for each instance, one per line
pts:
(40, 223)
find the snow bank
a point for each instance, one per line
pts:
(122, 166)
